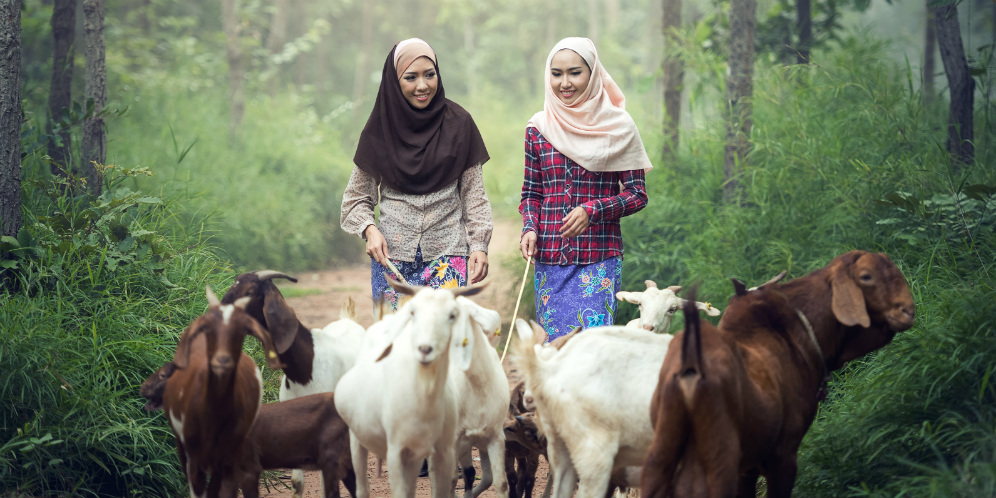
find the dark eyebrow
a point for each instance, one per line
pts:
(568, 69)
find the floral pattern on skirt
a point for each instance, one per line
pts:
(576, 295)
(444, 272)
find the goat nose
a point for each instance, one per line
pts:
(648, 326)
(425, 350)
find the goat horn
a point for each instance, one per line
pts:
(650, 284)
(265, 275)
(212, 299)
(739, 287)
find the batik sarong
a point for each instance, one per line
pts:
(443, 272)
(576, 296)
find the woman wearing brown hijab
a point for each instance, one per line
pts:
(420, 158)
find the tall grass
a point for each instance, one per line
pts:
(845, 156)
(96, 292)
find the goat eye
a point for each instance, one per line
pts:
(866, 277)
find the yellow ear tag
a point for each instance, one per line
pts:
(273, 354)
(465, 341)
(708, 305)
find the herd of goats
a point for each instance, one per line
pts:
(631, 408)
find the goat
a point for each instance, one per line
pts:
(399, 400)
(301, 433)
(212, 397)
(658, 306)
(305, 433)
(734, 401)
(523, 446)
(315, 358)
(592, 400)
(483, 397)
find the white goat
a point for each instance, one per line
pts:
(592, 400)
(657, 306)
(399, 400)
(483, 399)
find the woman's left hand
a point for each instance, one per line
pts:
(575, 223)
(477, 264)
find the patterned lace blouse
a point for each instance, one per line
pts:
(453, 221)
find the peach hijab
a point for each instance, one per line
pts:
(595, 131)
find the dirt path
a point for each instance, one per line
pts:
(327, 291)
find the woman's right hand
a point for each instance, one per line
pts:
(376, 245)
(527, 245)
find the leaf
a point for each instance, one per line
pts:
(979, 191)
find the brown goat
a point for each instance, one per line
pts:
(302, 433)
(523, 446)
(734, 401)
(305, 433)
(213, 395)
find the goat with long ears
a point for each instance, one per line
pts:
(212, 397)
(734, 401)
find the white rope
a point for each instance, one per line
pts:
(516, 312)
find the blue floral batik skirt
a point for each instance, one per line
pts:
(576, 296)
(443, 272)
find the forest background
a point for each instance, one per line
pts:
(207, 176)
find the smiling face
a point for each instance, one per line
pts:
(569, 75)
(419, 83)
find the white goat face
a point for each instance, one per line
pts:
(434, 313)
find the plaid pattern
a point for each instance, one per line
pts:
(554, 185)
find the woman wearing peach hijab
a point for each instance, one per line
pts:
(579, 150)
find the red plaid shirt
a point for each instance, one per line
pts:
(554, 185)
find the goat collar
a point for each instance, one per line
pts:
(821, 393)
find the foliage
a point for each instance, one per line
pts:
(96, 293)
(845, 157)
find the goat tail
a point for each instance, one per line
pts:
(348, 309)
(691, 348)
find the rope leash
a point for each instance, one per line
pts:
(516, 312)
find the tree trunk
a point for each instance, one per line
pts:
(10, 117)
(960, 83)
(94, 139)
(739, 93)
(233, 49)
(929, 59)
(60, 96)
(361, 78)
(804, 14)
(674, 75)
(278, 37)
(593, 19)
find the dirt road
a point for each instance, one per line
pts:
(327, 291)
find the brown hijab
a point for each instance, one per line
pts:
(417, 151)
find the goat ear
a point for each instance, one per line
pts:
(280, 318)
(629, 297)
(269, 352)
(463, 341)
(489, 320)
(739, 288)
(847, 303)
(181, 357)
(708, 308)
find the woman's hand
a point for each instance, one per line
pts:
(527, 245)
(376, 245)
(575, 223)
(478, 266)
